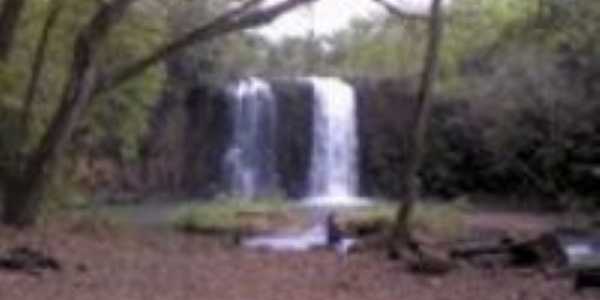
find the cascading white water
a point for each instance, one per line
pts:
(334, 163)
(250, 159)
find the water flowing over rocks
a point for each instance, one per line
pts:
(333, 172)
(192, 139)
(250, 159)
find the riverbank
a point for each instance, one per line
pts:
(107, 261)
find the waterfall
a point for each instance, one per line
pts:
(251, 158)
(333, 171)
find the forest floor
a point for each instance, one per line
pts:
(101, 261)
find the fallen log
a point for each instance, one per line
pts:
(29, 261)
(471, 250)
(587, 279)
(573, 251)
(521, 254)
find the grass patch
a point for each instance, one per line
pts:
(232, 216)
(441, 220)
(267, 215)
(437, 219)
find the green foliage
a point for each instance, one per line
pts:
(117, 120)
(140, 32)
(229, 216)
(477, 27)
(526, 122)
(380, 49)
(442, 220)
(120, 117)
(438, 219)
(389, 46)
(233, 55)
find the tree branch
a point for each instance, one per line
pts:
(40, 57)
(81, 73)
(398, 12)
(9, 17)
(235, 20)
(401, 230)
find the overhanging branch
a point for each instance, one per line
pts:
(243, 17)
(398, 12)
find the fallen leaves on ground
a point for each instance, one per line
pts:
(130, 264)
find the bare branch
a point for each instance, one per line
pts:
(398, 12)
(239, 19)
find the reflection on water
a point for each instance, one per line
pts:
(312, 238)
(324, 234)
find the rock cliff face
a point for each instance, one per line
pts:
(206, 135)
(294, 131)
(186, 148)
(386, 110)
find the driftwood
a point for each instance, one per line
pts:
(542, 250)
(571, 251)
(587, 279)
(26, 260)
(522, 254)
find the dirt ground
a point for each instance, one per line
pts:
(100, 262)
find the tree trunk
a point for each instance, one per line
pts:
(398, 12)
(24, 199)
(401, 234)
(9, 17)
(38, 62)
(19, 207)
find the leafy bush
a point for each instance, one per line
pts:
(528, 127)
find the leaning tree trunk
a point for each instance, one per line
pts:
(9, 17)
(24, 198)
(401, 235)
(38, 62)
